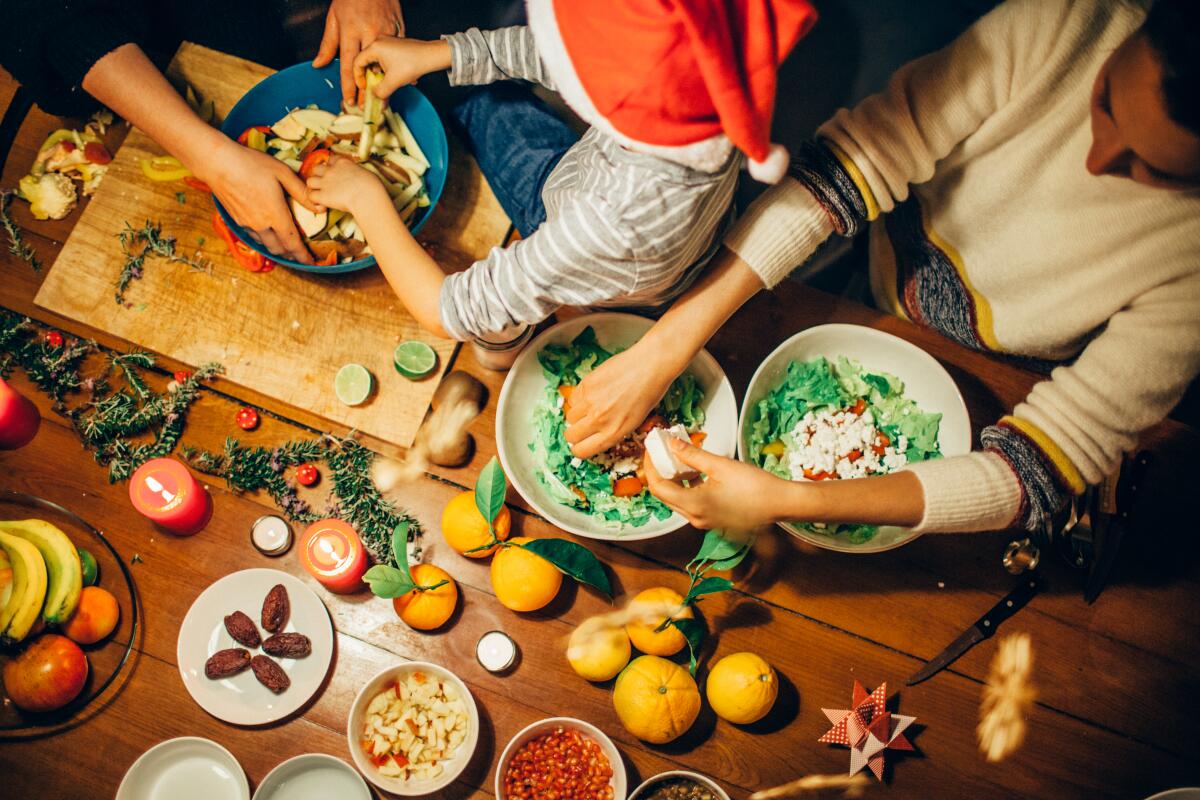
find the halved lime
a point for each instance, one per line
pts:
(414, 360)
(353, 384)
(87, 562)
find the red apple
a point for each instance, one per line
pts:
(49, 674)
(19, 418)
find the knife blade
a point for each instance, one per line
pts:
(983, 628)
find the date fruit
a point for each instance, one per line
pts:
(270, 674)
(275, 609)
(226, 663)
(287, 645)
(242, 629)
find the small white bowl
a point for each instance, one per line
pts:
(618, 781)
(707, 783)
(452, 767)
(525, 386)
(925, 381)
(187, 768)
(313, 776)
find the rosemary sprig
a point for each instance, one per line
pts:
(16, 239)
(138, 245)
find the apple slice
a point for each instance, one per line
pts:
(289, 128)
(310, 224)
(314, 119)
(347, 126)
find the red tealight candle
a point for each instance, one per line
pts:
(19, 418)
(333, 554)
(163, 491)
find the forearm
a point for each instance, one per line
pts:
(413, 275)
(895, 499)
(684, 330)
(481, 57)
(127, 81)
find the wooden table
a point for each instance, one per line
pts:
(1117, 681)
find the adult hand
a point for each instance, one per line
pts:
(732, 495)
(351, 25)
(614, 399)
(254, 189)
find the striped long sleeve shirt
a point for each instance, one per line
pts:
(622, 228)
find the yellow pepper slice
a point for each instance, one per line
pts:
(164, 168)
(775, 448)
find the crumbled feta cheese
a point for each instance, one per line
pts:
(840, 444)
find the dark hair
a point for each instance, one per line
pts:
(1173, 29)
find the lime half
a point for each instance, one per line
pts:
(353, 384)
(414, 360)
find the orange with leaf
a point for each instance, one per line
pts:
(423, 596)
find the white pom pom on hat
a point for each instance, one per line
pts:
(772, 168)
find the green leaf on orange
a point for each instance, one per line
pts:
(693, 631)
(388, 582)
(400, 548)
(707, 586)
(573, 560)
(490, 489)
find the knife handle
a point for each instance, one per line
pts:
(1013, 602)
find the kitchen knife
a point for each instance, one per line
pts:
(1010, 604)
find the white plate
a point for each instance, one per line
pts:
(523, 389)
(313, 776)
(925, 381)
(241, 699)
(451, 768)
(188, 768)
(619, 781)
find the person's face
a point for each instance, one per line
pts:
(1132, 134)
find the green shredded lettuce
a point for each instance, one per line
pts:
(817, 384)
(560, 472)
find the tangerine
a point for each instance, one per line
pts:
(522, 580)
(655, 699)
(465, 529)
(426, 609)
(644, 635)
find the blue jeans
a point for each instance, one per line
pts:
(517, 141)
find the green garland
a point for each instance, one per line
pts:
(113, 421)
(138, 245)
(353, 495)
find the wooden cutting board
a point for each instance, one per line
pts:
(282, 333)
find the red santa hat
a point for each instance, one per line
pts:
(685, 80)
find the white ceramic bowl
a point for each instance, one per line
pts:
(187, 768)
(523, 389)
(610, 751)
(707, 783)
(925, 381)
(452, 767)
(313, 776)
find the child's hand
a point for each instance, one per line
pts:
(342, 184)
(402, 61)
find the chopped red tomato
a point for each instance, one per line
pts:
(859, 406)
(627, 487)
(653, 421)
(698, 438)
(816, 476)
(566, 390)
(96, 153)
(263, 129)
(854, 455)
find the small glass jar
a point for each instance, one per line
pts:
(271, 535)
(497, 351)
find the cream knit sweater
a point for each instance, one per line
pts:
(987, 227)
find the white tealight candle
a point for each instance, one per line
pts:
(271, 535)
(496, 651)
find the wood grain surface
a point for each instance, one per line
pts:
(1117, 681)
(283, 333)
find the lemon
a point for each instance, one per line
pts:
(353, 384)
(742, 688)
(414, 360)
(598, 653)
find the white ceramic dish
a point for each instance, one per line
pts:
(610, 751)
(452, 767)
(523, 389)
(925, 381)
(313, 776)
(241, 699)
(188, 768)
(707, 783)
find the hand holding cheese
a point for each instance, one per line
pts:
(666, 463)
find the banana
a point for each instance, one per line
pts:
(28, 588)
(64, 571)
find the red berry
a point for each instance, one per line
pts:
(54, 339)
(247, 418)
(307, 474)
(181, 376)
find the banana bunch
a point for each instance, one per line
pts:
(47, 576)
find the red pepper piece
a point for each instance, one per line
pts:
(264, 129)
(197, 184)
(310, 162)
(248, 258)
(96, 153)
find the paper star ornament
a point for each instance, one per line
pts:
(868, 729)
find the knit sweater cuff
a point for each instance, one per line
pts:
(975, 492)
(780, 231)
(74, 56)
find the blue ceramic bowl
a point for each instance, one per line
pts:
(302, 85)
